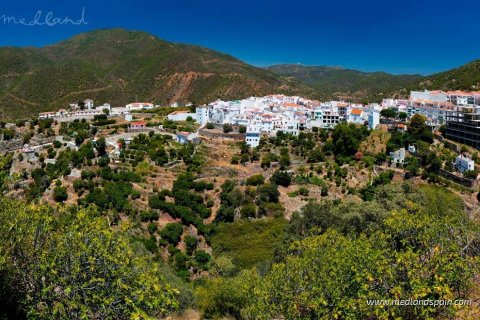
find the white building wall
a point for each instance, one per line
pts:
(88, 104)
(428, 95)
(252, 136)
(202, 115)
(373, 119)
(182, 116)
(463, 163)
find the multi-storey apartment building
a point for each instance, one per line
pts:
(463, 125)
(434, 111)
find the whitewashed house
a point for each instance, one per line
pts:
(356, 116)
(252, 136)
(88, 104)
(398, 156)
(373, 119)
(139, 106)
(106, 106)
(185, 137)
(464, 163)
(202, 115)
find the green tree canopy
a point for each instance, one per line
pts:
(68, 264)
(419, 130)
(388, 113)
(422, 250)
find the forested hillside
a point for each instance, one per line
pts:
(405, 243)
(72, 264)
(119, 66)
(312, 226)
(353, 85)
(338, 83)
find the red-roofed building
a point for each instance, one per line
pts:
(291, 105)
(356, 115)
(137, 125)
(401, 127)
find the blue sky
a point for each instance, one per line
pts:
(398, 36)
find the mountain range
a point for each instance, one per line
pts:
(345, 84)
(120, 66)
(353, 85)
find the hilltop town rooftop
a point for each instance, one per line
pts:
(292, 114)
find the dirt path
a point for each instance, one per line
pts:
(84, 91)
(22, 100)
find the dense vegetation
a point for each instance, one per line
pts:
(249, 242)
(354, 85)
(70, 264)
(465, 77)
(322, 222)
(339, 256)
(345, 84)
(327, 261)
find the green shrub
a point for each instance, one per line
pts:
(60, 194)
(248, 210)
(55, 252)
(281, 178)
(255, 180)
(303, 191)
(202, 258)
(152, 228)
(146, 216)
(172, 233)
(248, 242)
(190, 244)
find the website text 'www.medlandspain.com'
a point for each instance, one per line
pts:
(417, 302)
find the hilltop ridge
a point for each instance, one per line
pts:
(119, 66)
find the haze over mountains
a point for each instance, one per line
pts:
(120, 66)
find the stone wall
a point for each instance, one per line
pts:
(10, 145)
(469, 183)
(220, 135)
(16, 144)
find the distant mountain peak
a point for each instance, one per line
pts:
(118, 65)
(334, 82)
